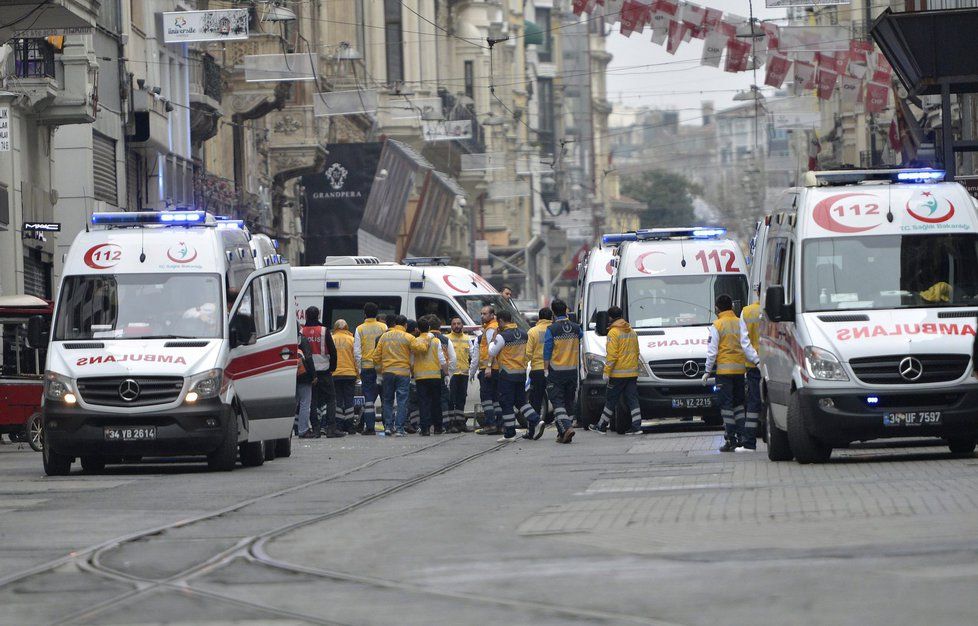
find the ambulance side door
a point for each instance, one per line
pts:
(263, 354)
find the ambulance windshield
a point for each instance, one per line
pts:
(140, 306)
(671, 301)
(890, 272)
(473, 307)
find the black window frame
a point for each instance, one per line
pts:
(353, 313)
(394, 41)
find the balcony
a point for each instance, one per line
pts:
(60, 86)
(455, 110)
(151, 122)
(206, 91)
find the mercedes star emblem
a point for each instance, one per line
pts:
(910, 369)
(691, 369)
(128, 390)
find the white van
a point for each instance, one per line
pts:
(167, 341)
(871, 293)
(666, 281)
(755, 255)
(593, 295)
(418, 286)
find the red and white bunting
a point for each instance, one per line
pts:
(826, 80)
(662, 14)
(738, 53)
(713, 47)
(771, 32)
(804, 75)
(876, 97)
(777, 69)
(711, 19)
(677, 30)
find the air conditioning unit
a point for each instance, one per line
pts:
(351, 260)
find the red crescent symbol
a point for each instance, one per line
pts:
(447, 278)
(932, 220)
(192, 257)
(610, 268)
(90, 260)
(823, 216)
(640, 261)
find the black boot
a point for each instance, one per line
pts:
(332, 432)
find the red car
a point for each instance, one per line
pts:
(21, 370)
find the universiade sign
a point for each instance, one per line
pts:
(220, 25)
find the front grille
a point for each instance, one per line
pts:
(856, 317)
(97, 345)
(672, 369)
(944, 315)
(885, 370)
(104, 391)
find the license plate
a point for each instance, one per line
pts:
(130, 433)
(358, 401)
(692, 403)
(912, 418)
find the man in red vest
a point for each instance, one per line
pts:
(324, 358)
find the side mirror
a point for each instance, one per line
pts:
(38, 332)
(774, 307)
(572, 317)
(241, 331)
(601, 323)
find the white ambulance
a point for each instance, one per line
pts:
(418, 286)
(871, 293)
(593, 295)
(167, 341)
(666, 281)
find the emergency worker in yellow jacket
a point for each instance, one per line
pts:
(727, 354)
(534, 352)
(750, 330)
(429, 366)
(488, 387)
(392, 357)
(562, 358)
(509, 351)
(621, 373)
(345, 376)
(364, 342)
(458, 385)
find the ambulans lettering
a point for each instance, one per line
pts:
(898, 330)
(124, 358)
(669, 343)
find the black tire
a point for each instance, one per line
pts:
(56, 464)
(961, 446)
(270, 450)
(715, 421)
(252, 453)
(93, 464)
(226, 455)
(34, 430)
(762, 430)
(283, 448)
(806, 449)
(778, 446)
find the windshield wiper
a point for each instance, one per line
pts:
(164, 337)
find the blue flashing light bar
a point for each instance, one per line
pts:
(709, 233)
(226, 223)
(698, 232)
(150, 217)
(873, 400)
(616, 238)
(921, 176)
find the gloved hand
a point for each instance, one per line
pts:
(706, 377)
(472, 376)
(605, 378)
(489, 372)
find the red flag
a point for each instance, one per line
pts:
(773, 33)
(876, 97)
(858, 50)
(826, 83)
(631, 13)
(677, 30)
(737, 54)
(881, 76)
(777, 69)
(894, 135)
(713, 47)
(728, 28)
(851, 87)
(661, 16)
(711, 19)
(804, 75)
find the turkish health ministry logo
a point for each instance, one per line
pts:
(181, 253)
(336, 175)
(925, 207)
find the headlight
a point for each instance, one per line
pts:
(59, 388)
(205, 385)
(593, 363)
(823, 365)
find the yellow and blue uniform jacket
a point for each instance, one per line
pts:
(428, 357)
(509, 351)
(393, 352)
(463, 352)
(750, 330)
(623, 353)
(345, 363)
(365, 340)
(562, 345)
(534, 344)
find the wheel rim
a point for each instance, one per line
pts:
(35, 432)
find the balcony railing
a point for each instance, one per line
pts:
(33, 58)
(457, 111)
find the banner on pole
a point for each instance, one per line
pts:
(219, 25)
(446, 130)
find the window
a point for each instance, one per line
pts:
(470, 79)
(545, 50)
(350, 308)
(104, 168)
(545, 127)
(394, 41)
(16, 359)
(276, 298)
(4, 207)
(438, 306)
(677, 301)
(33, 58)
